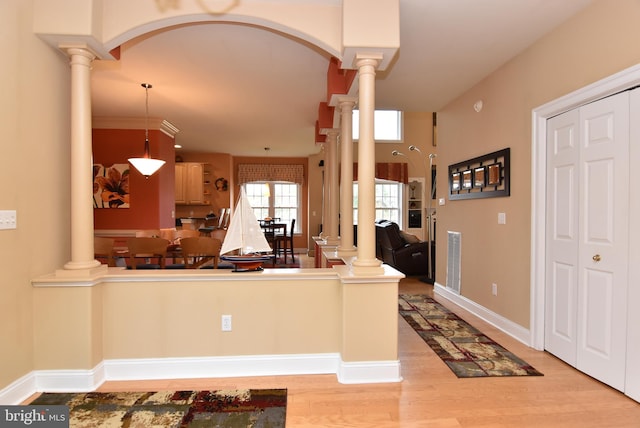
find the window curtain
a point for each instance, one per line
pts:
(394, 171)
(249, 172)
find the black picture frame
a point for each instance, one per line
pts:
(485, 176)
(467, 180)
(479, 177)
(454, 181)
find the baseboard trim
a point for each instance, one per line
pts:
(509, 327)
(362, 372)
(222, 367)
(19, 390)
(369, 372)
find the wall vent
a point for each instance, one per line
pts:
(453, 261)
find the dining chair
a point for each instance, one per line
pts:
(219, 234)
(284, 241)
(148, 233)
(103, 250)
(179, 235)
(147, 248)
(200, 250)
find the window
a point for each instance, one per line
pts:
(276, 200)
(387, 125)
(388, 201)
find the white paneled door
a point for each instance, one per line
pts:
(588, 187)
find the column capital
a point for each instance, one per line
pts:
(346, 102)
(367, 60)
(79, 50)
(332, 132)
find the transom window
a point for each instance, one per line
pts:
(388, 201)
(387, 125)
(276, 200)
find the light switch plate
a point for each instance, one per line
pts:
(502, 218)
(8, 219)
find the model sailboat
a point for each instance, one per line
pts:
(245, 235)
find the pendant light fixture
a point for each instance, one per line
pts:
(146, 165)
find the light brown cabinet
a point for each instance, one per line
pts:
(191, 183)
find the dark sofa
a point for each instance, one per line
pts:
(400, 250)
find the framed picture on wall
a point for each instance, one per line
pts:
(455, 181)
(467, 183)
(494, 175)
(479, 176)
(485, 176)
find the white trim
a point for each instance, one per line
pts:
(70, 380)
(509, 327)
(19, 390)
(625, 79)
(221, 367)
(369, 372)
(362, 372)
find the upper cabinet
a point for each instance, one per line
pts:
(191, 183)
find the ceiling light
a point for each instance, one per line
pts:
(146, 165)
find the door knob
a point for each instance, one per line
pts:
(596, 258)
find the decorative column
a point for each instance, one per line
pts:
(82, 255)
(331, 172)
(346, 105)
(366, 262)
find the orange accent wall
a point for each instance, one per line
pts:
(152, 199)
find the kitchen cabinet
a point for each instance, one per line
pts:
(192, 183)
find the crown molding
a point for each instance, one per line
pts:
(135, 123)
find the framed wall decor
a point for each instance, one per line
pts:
(479, 176)
(454, 181)
(486, 176)
(466, 179)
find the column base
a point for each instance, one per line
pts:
(347, 252)
(330, 240)
(367, 267)
(81, 270)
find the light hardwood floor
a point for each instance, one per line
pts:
(432, 396)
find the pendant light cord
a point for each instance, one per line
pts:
(146, 126)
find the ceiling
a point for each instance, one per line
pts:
(235, 88)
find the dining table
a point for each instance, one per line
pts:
(121, 254)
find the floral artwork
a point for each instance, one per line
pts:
(111, 186)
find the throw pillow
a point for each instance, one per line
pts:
(409, 238)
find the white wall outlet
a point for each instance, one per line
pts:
(494, 289)
(8, 219)
(502, 218)
(226, 323)
(441, 201)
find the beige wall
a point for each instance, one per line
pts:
(596, 43)
(34, 83)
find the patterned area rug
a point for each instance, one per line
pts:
(242, 408)
(466, 351)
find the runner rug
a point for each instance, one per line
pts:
(463, 348)
(241, 408)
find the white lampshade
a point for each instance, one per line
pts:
(146, 166)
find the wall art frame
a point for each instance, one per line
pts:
(486, 176)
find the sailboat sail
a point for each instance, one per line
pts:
(244, 232)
